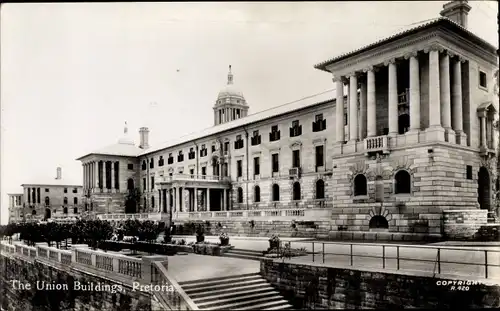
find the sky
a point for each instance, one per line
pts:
(73, 73)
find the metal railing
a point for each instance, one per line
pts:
(470, 261)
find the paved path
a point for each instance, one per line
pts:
(194, 267)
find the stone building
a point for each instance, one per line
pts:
(15, 207)
(51, 199)
(413, 139)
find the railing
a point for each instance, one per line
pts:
(468, 261)
(139, 216)
(175, 177)
(293, 213)
(404, 98)
(130, 267)
(379, 143)
(175, 299)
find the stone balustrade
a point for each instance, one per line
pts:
(138, 216)
(378, 143)
(191, 177)
(282, 214)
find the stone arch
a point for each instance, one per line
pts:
(484, 188)
(402, 182)
(378, 222)
(360, 186)
(379, 211)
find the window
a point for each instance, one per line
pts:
(143, 167)
(275, 133)
(296, 129)
(469, 172)
(191, 171)
(226, 147)
(238, 144)
(319, 156)
(65, 210)
(130, 167)
(213, 148)
(275, 163)
(256, 166)
(203, 151)
(161, 162)
(75, 190)
(359, 185)
(33, 212)
(47, 201)
(482, 79)
(320, 189)
(296, 191)
(152, 202)
(75, 210)
(46, 189)
(152, 163)
(319, 124)
(240, 195)
(65, 190)
(296, 158)
(65, 201)
(239, 167)
(345, 119)
(75, 201)
(276, 193)
(255, 140)
(204, 171)
(180, 157)
(170, 159)
(144, 184)
(402, 182)
(191, 154)
(256, 194)
(152, 182)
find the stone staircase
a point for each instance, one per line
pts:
(244, 254)
(236, 292)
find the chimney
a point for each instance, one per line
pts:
(144, 138)
(457, 11)
(59, 173)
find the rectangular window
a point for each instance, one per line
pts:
(239, 166)
(256, 166)
(275, 133)
(213, 148)
(295, 123)
(226, 147)
(130, 167)
(180, 157)
(191, 154)
(152, 163)
(469, 172)
(152, 182)
(65, 190)
(296, 158)
(161, 161)
(204, 171)
(75, 190)
(318, 117)
(345, 119)
(275, 161)
(296, 129)
(46, 189)
(274, 129)
(319, 156)
(255, 140)
(482, 79)
(144, 184)
(191, 171)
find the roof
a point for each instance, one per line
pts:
(119, 149)
(53, 182)
(306, 102)
(412, 28)
(230, 91)
(9, 194)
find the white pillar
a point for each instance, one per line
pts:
(362, 110)
(371, 108)
(456, 98)
(195, 200)
(393, 98)
(105, 183)
(434, 89)
(112, 177)
(339, 102)
(445, 95)
(208, 199)
(414, 92)
(353, 107)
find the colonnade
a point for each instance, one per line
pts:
(101, 175)
(174, 198)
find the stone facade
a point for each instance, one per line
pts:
(319, 287)
(463, 224)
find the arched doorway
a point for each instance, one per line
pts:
(483, 191)
(378, 222)
(130, 184)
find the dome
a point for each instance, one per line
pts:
(230, 90)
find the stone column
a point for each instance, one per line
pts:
(456, 98)
(104, 175)
(362, 109)
(96, 177)
(179, 199)
(174, 198)
(112, 176)
(393, 97)
(414, 92)
(445, 96)
(195, 200)
(371, 108)
(208, 199)
(339, 102)
(160, 201)
(353, 107)
(435, 131)
(167, 199)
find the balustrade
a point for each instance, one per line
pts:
(83, 258)
(130, 268)
(104, 262)
(378, 143)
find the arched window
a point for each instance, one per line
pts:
(360, 185)
(256, 194)
(240, 195)
(402, 182)
(65, 210)
(65, 201)
(75, 201)
(75, 210)
(296, 190)
(276, 192)
(320, 189)
(47, 201)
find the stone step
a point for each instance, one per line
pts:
(217, 279)
(277, 303)
(275, 299)
(244, 251)
(236, 299)
(280, 307)
(232, 294)
(245, 288)
(243, 256)
(210, 288)
(208, 283)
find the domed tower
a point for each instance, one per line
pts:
(230, 104)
